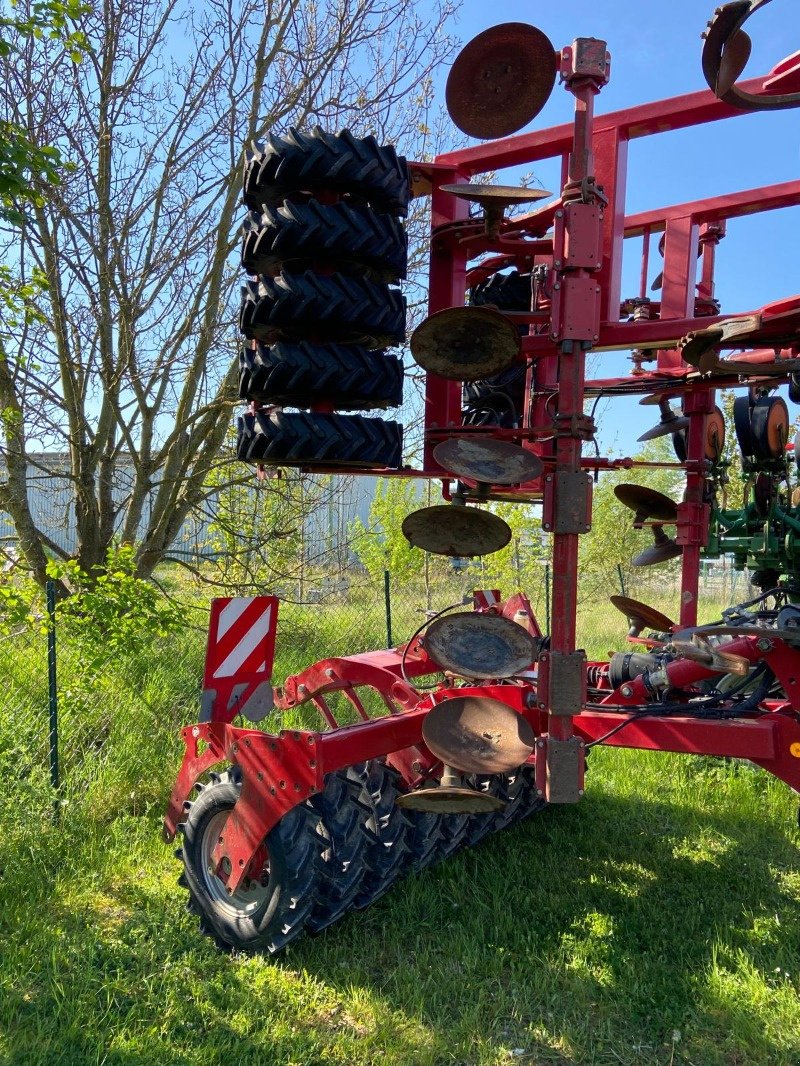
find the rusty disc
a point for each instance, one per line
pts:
(465, 343)
(456, 531)
(647, 503)
(663, 549)
(446, 799)
(479, 645)
(640, 615)
(478, 735)
(496, 196)
(715, 435)
(501, 80)
(495, 462)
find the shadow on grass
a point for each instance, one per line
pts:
(586, 935)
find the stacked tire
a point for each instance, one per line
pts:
(500, 399)
(324, 247)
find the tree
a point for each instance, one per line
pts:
(128, 350)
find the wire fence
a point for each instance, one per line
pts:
(77, 715)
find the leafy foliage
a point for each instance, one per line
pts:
(111, 609)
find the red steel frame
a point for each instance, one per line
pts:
(584, 257)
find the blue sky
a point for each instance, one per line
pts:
(655, 49)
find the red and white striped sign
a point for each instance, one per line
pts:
(483, 599)
(241, 639)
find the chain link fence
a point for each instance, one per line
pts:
(82, 719)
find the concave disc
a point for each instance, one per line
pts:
(660, 552)
(639, 614)
(479, 645)
(456, 531)
(465, 343)
(769, 425)
(496, 195)
(647, 503)
(653, 399)
(478, 735)
(666, 427)
(450, 800)
(501, 80)
(715, 435)
(495, 462)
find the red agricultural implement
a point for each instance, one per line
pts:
(303, 825)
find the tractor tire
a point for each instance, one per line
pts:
(387, 854)
(500, 399)
(298, 439)
(508, 292)
(318, 161)
(263, 915)
(299, 236)
(321, 309)
(350, 378)
(343, 813)
(423, 838)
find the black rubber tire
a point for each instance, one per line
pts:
(679, 446)
(760, 415)
(309, 439)
(423, 837)
(349, 377)
(500, 399)
(323, 309)
(293, 877)
(387, 854)
(742, 413)
(508, 292)
(352, 239)
(344, 812)
(310, 162)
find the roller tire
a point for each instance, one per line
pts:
(508, 292)
(313, 307)
(279, 438)
(315, 161)
(343, 812)
(423, 838)
(387, 854)
(303, 235)
(349, 377)
(293, 876)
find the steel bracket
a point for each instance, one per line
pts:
(567, 503)
(562, 682)
(560, 768)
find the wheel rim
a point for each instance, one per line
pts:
(251, 894)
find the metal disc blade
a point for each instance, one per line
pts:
(658, 553)
(495, 462)
(715, 435)
(497, 196)
(456, 531)
(450, 800)
(479, 645)
(647, 503)
(466, 343)
(478, 735)
(653, 399)
(501, 80)
(734, 59)
(666, 428)
(640, 615)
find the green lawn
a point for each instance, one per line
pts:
(656, 923)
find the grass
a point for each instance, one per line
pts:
(658, 922)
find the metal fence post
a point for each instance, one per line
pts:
(387, 595)
(52, 685)
(621, 580)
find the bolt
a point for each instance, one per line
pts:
(302, 688)
(195, 731)
(580, 791)
(539, 792)
(558, 262)
(330, 673)
(539, 743)
(559, 214)
(626, 691)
